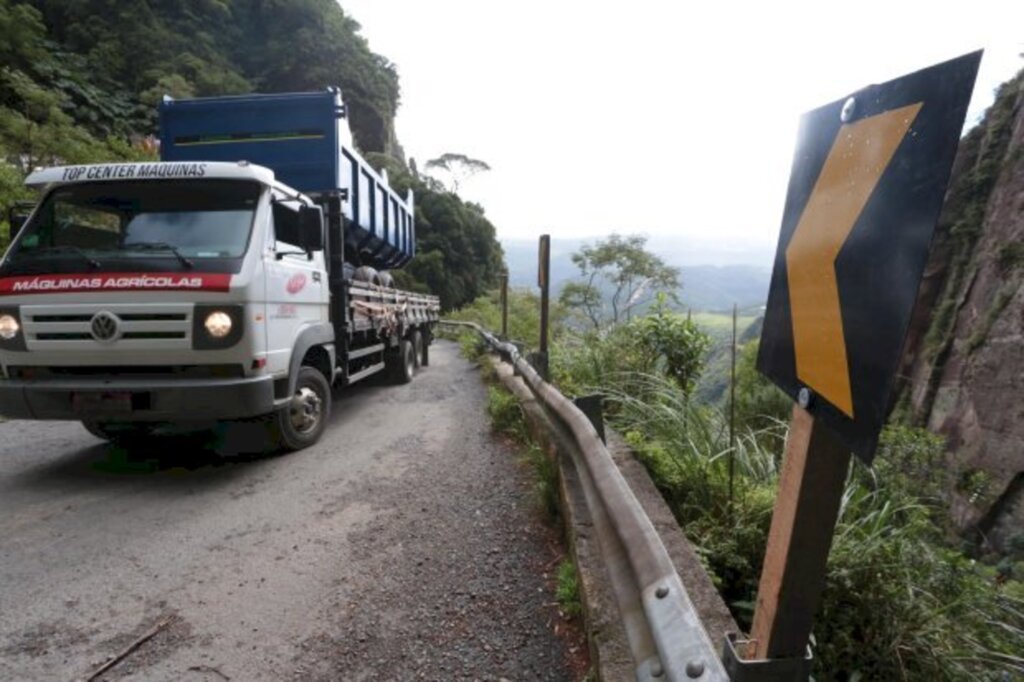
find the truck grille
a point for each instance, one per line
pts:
(70, 327)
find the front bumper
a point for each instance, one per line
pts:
(138, 400)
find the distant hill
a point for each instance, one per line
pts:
(705, 287)
(718, 287)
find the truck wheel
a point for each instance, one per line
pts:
(417, 349)
(425, 354)
(403, 363)
(301, 423)
(123, 433)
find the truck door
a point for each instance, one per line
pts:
(297, 293)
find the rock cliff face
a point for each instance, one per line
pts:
(963, 370)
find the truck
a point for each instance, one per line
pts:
(243, 276)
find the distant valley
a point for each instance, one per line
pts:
(712, 286)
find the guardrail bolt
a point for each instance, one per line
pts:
(694, 669)
(657, 670)
(661, 592)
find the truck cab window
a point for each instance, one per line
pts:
(125, 221)
(286, 226)
(66, 224)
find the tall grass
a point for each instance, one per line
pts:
(898, 605)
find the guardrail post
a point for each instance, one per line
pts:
(543, 280)
(593, 407)
(504, 305)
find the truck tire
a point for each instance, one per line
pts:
(417, 349)
(425, 354)
(122, 433)
(402, 363)
(301, 423)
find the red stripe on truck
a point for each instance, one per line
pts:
(114, 281)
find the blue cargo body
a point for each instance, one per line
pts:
(304, 138)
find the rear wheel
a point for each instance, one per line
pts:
(302, 421)
(425, 353)
(417, 349)
(402, 362)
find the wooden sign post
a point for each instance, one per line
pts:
(793, 578)
(543, 279)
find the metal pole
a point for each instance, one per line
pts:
(732, 413)
(504, 305)
(543, 279)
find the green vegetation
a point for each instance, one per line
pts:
(457, 168)
(505, 413)
(713, 383)
(720, 324)
(523, 315)
(80, 81)
(1010, 256)
(1003, 297)
(902, 600)
(458, 256)
(508, 419)
(567, 592)
(618, 276)
(899, 603)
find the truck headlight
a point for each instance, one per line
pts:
(218, 324)
(215, 326)
(9, 327)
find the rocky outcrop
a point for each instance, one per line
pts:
(963, 371)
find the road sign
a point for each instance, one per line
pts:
(865, 192)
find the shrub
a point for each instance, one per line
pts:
(523, 315)
(567, 591)
(505, 413)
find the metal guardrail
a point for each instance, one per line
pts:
(667, 639)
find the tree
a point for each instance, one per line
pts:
(458, 167)
(670, 343)
(618, 274)
(458, 256)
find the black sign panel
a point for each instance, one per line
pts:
(865, 192)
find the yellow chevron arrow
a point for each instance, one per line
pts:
(860, 154)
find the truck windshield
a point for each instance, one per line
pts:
(179, 220)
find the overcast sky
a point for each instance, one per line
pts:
(668, 118)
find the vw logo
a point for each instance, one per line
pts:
(104, 326)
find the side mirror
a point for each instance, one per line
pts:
(311, 228)
(17, 215)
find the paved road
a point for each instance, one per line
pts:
(405, 545)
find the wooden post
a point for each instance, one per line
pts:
(543, 279)
(803, 522)
(504, 306)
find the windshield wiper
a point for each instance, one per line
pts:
(64, 248)
(159, 246)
